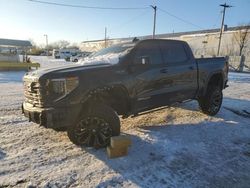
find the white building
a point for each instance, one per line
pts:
(203, 42)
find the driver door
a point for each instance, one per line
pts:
(149, 76)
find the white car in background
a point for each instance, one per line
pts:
(64, 53)
(77, 57)
(61, 54)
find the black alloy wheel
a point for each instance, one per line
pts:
(93, 131)
(210, 104)
(95, 127)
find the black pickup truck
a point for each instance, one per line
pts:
(124, 79)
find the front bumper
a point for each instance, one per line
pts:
(51, 117)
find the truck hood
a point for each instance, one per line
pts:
(66, 69)
(87, 63)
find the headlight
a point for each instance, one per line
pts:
(63, 86)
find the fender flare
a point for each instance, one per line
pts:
(102, 89)
(209, 78)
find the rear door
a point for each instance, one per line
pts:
(181, 71)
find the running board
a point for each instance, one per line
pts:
(158, 109)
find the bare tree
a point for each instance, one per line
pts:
(73, 46)
(229, 49)
(60, 44)
(211, 51)
(242, 37)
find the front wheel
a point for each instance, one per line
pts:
(95, 127)
(210, 104)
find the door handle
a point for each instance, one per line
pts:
(163, 70)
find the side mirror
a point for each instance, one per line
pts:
(144, 60)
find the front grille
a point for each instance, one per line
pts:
(33, 93)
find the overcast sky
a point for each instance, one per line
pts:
(23, 19)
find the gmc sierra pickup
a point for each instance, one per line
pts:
(124, 79)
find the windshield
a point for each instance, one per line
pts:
(109, 55)
(116, 49)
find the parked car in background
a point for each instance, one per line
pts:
(64, 53)
(79, 56)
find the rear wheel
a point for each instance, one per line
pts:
(95, 127)
(210, 104)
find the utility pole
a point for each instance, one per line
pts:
(222, 25)
(105, 38)
(155, 8)
(47, 46)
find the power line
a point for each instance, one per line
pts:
(87, 7)
(218, 16)
(116, 8)
(185, 21)
(132, 19)
(121, 26)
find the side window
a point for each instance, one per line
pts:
(173, 52)
(150, 51)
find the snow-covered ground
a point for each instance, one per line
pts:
(175, 147)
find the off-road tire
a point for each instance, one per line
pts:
(210, 104)
(95, 126)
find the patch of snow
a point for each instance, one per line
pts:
(49, 62)
(175, 147)
(11, 76)
(108, 58)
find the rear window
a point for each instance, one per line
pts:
(173, 52)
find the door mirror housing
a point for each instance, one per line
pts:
(144, 60)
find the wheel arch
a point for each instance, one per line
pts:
(115, 96)
(216, 79)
